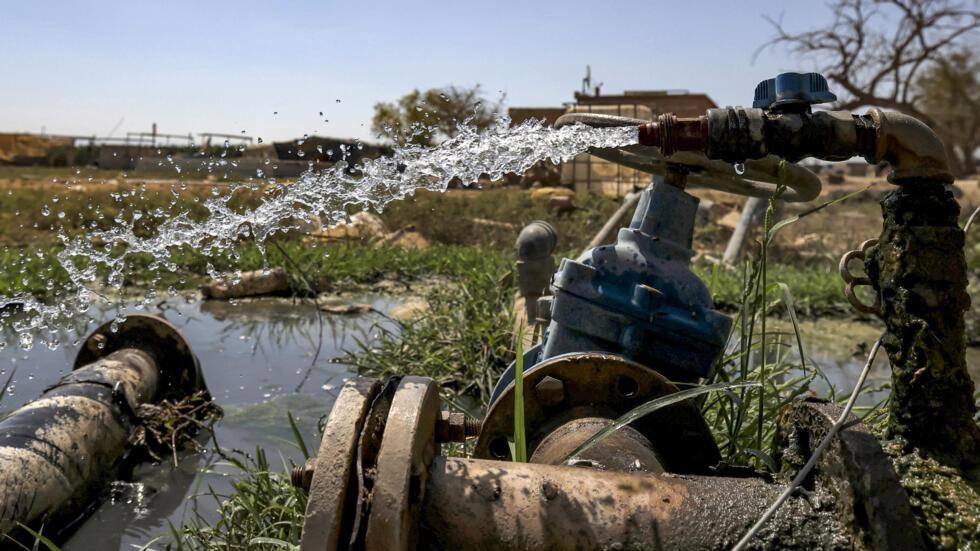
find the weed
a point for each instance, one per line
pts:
(263, 511)
(520, 436)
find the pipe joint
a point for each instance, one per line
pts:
(911, 148)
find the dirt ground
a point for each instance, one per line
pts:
(824, 236)
(828, 234)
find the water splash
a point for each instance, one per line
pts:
(326, 195)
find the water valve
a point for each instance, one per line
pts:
(792, 92)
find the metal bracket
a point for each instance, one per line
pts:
(851, 281)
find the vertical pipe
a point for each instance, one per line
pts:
(919, 269)
(752, 208)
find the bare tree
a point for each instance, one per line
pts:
(876, 50)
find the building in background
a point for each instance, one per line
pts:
(588, 173)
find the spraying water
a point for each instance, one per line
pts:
(326, 195)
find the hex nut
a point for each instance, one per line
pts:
(451, 426)
(550, 391)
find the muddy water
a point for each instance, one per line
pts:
(840, 349)
(257, 357)
(256, 353)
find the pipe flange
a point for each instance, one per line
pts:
(403, 460)
(854, 470)
(326, 522)
(593, 384)
(180, 370)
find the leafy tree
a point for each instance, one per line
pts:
(426, 118)
(949, 92)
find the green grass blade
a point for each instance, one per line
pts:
(652, 406)
(6, 385)
(39, 538)
(520, 442)
(274, 542)
(792, 219)
(791, 310)
(297, 436)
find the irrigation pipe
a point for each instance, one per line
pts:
(805, 471)
(612, 224)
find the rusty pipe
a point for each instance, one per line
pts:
(735, 134)
(531, 506)
(912, 149)
(57, 451)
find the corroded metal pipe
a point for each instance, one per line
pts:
(918, 269)
(57, 451)
(377, 468)
(736, 134)
(531, 506)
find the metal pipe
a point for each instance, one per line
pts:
(58, 450)
(751, 210)
(535, 263)
(918, 269)
(612, 225)
(532, 506)
(736, 134)
(912, 149)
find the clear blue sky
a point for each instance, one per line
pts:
(207, 66)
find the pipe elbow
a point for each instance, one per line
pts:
(537, 240)
(912, 149)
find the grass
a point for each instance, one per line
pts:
(263, 511)
(337, 266)
(464, 341)
(520, 435)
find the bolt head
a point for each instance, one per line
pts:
(97, 342)
(550, 391)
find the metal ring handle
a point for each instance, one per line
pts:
(852, 281)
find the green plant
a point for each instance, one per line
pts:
(463, 341)
(743, 427)
(520, 437)
(263, 511)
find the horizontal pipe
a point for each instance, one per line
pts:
(481, 504)
(735, 134)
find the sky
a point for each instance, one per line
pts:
(270, 68)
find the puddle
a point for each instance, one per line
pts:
(255, 354)
(840, 349)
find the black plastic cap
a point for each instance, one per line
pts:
(792, 89)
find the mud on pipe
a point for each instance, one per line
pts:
(57, 451)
